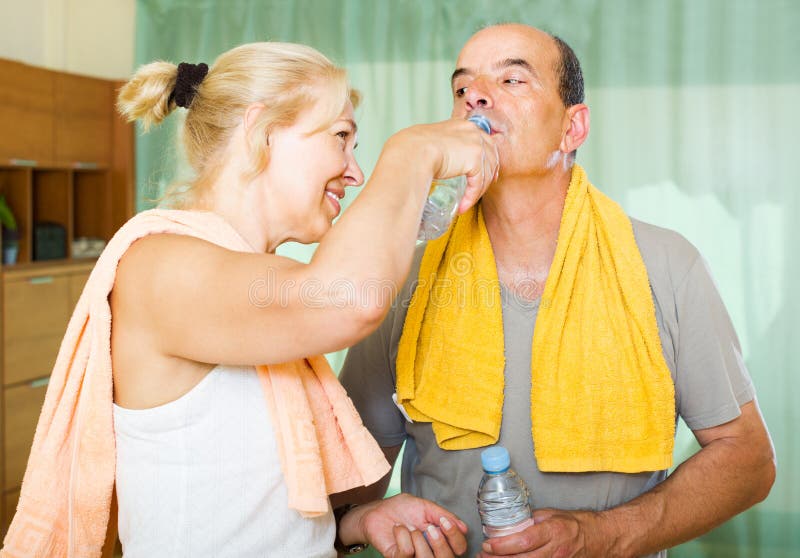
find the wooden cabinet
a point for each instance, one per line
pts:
(66, 165)
(10, 500)
(77, 280)
(35, 315)
(82, 124)
(66, 158)
(83, 202)
(27, 112)
(37, 304)
(22, 404)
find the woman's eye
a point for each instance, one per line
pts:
(460, 91)
(513, 81)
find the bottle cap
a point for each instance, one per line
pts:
(481, 122)
(495, 459)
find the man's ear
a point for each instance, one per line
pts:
(576, 127)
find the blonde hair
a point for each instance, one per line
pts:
(286, 78)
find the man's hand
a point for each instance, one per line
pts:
(554, 534)
(404, 526)
(734, 470)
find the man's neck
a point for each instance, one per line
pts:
(525, 210)
(523, 216)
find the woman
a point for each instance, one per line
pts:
(229, 434)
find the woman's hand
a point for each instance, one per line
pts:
(404, 526)
(454, 147)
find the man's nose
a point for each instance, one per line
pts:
(478, 95)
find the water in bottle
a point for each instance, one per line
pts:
(502, 495)
(446, 193)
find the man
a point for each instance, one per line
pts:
(631, 319)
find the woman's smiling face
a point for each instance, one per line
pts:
(309, 170)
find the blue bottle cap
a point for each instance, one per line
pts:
(481, 122)
(495, 459)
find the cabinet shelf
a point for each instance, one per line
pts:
(79, 202)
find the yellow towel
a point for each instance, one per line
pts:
(66, 493)
(602, 398)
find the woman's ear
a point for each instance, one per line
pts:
(252, 120)
(577, 127)
(251, 115)
(254, 128)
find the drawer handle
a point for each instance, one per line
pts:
(40, 382)
(44, 280)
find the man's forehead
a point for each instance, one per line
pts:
(491, 46)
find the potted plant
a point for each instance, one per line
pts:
(10, 233)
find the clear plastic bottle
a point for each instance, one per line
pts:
(502, 495)
(442, 203)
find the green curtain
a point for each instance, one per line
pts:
(694, 109)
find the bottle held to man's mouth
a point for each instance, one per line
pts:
(446, 193)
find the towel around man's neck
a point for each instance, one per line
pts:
(66, 492)
(602, 398)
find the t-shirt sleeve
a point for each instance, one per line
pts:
(712, 381)
(368, 377)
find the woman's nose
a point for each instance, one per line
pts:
(353, 175)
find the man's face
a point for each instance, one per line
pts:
(509, 74)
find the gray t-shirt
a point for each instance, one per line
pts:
(699, 345)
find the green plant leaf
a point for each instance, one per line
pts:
(6, 215)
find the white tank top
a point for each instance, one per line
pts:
(201, 476)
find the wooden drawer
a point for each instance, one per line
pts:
(36, 313)
(76, 282)
(23, 404)
(10, 500)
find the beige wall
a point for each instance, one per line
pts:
(90, 37)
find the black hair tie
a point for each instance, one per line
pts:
(190, 76)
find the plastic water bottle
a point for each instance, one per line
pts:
(502, 495)
(442, 203)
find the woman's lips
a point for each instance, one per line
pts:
(334, 199)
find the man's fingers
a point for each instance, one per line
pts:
(544, 514)
(526, 540)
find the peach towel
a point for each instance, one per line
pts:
(66, 493)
